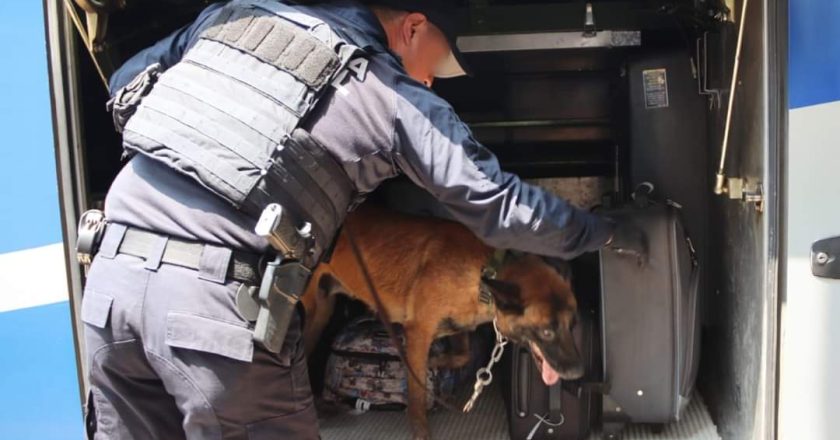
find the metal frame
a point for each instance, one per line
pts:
(702, 66)
(66, 116)
(63, 73)
(778, 35)
(487, 18)
(549, 40)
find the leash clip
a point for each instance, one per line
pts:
(484, 375)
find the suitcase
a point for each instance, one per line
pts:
(565, 411)
(649, 321)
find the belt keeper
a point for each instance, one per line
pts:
(156, 254)
(214, 262)
(111, 241)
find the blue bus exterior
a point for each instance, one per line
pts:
(38, 369)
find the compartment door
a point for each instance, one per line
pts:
(810, 329)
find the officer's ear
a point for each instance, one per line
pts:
(411, 25)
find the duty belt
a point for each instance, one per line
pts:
(269, 293)
(243, 266)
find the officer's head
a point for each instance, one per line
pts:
(423, 34)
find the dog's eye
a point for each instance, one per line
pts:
(547, 334)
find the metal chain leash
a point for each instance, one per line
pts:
(484, 375)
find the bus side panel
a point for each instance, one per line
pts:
(38, 374)
(809, 388)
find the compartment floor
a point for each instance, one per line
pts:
(488, 421)
(695, 424)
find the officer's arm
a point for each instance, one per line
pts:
(438, 152)
(167, 51)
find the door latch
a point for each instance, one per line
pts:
(824, 258)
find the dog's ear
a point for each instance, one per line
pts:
(506, 295)
(561, 266)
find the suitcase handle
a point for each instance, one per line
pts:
(641, 195)
(522, 373)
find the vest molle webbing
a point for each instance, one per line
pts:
(228, 114)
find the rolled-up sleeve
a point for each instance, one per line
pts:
(166, 52)
(436, 150)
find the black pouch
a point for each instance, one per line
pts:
(126, 100)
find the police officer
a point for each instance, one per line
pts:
(265, 106)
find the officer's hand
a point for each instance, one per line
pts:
(628, 240)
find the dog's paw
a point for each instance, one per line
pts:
(420, 432)
(327, 409)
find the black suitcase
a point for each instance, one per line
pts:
(563, 411)
(649, 321)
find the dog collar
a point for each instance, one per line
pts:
(490, 271)
(484, 295)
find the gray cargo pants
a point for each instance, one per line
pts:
(170, 357)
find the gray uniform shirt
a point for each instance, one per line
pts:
(378, 123)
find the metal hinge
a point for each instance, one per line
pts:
(738, 188)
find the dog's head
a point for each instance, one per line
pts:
(535, 305)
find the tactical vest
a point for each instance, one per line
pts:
(229, 113)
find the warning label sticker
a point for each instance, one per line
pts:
(656, 88)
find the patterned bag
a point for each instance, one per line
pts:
(364, 369)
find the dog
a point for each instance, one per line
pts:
(428, 274)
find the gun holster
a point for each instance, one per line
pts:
(283, 283)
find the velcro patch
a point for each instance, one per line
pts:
(278, 42)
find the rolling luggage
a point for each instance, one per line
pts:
(649, 320)
(564, 411)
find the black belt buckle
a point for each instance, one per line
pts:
(282, 285)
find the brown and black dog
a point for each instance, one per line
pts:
(427, 272)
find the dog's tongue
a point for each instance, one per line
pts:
(550, 376)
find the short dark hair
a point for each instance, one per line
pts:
(386, 13)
